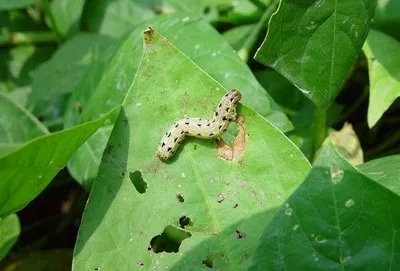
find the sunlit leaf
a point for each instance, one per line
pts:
(383, 55)
(191, 216)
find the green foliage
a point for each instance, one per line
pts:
(9, 232)
(355, 229)
(6, 4)
(91, 87)
(12, 136)
(248, 182)
(27, 170)
(383, 55)
(315, 43)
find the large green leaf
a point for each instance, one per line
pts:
(26, 171)
(385, 171)
(188, 34)
(383, 55)
(314, 43)
(9, 232)
(222, 205)
(17, 125)
(338, 219)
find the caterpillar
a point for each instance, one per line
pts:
(201, 128)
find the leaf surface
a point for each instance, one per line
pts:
(338, 219)
(9, 232)
(384, 171)
(17, 125)
(215, 57)
(137, 199)
(26, 171)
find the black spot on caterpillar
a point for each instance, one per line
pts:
(197, 127)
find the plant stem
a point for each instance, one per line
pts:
(47, 10)
(318, 130)
(27, 37)
(251, 40)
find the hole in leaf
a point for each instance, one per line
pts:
(220, 198)
(231, 133)
(185, 221)
(169, 240)
(138, 182)
(209, 260)
(240, 234)
(239, 141)
(180, 197)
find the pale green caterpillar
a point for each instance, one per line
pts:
(197, 127)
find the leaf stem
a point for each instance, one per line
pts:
(318, 130)
(27, 37)
(251, 40)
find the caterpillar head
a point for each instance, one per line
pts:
(229, 103)
(233, 96)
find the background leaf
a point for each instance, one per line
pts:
(66, 69)
(338, 219)
(67, 14)
(116, 18)
(26, 171)
(17, 125)
(383, 55)
(315, 43)
(387, 17)
(9, 232)
(238, 35)
(7, 4)
(18, 63)
(221, 198)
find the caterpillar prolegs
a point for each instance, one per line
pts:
(197, 127)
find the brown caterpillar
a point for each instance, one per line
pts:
(197, 127)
